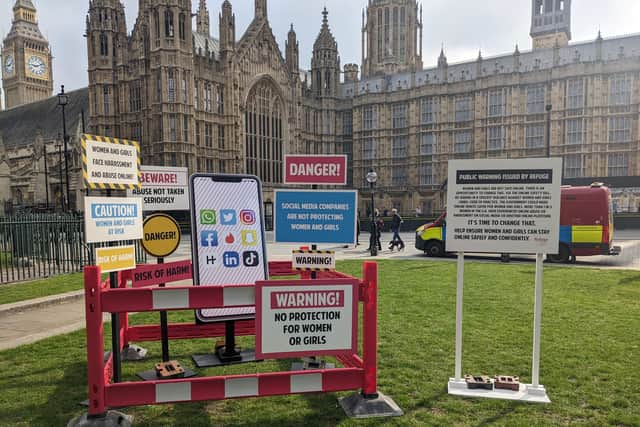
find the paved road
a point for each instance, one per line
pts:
(32, 325)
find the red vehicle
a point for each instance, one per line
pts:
(586, 226)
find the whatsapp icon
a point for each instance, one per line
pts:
(207, 217)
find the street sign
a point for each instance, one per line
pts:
(163, 188)
(110, 163)
(312, 216)
(504, 206)
(309, 169)
(161, 235)
(296, 318)
(110, 219)
(116, 258)
(314, 260)
(155, 274)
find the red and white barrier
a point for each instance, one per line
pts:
(357, 373)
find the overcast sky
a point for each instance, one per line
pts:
(463, 26)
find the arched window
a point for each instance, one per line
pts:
(264, 133)
(104, 45)
(156, 23)
(182, 27)
(168, 23)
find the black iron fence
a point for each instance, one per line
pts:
(42, 245)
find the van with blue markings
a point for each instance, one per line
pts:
(586, 226)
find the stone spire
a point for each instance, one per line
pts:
(202, 19)
(325, 63)
(292, 52)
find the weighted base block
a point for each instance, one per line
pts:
(151, 375)
(111, 419)
(208, 360)
(358, 406)
(525, 392)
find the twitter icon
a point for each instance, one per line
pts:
(228, 217)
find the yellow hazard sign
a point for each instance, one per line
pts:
(116, 258)
(161, 235)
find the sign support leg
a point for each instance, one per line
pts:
(537, 318)
(459, 295)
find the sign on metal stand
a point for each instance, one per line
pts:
(161, 239)
(111, 164)
(163, 188)
(503, 206)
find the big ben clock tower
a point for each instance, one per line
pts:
(26, 59)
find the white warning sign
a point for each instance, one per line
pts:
(504, 206)
(314, 260)
(306, 318)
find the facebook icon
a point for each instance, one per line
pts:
(209, 239)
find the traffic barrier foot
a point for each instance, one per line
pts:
(110, 419)
(358, 405)
(133, 353)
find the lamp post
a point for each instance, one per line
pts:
(46, 175)
(59, 147)
(372, 177)
(548, 136)
(63, 100)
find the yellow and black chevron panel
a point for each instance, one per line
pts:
(317, 257)
(108, 140)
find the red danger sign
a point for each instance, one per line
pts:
(315, 169)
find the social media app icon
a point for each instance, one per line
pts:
(209, 239)
(207, 217)
(228, 217)
(249, 237)
(229, 239)
(247, 217)
(250, 259)
(231, 259)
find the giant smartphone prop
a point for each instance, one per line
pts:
(227, 236)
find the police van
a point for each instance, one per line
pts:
(586, 226)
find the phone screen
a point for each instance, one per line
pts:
(228, 240)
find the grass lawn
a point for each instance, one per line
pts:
(40, 288)
(589, 357)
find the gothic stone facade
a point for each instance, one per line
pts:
(227, 105)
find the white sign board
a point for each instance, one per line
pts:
(504, 206)
(163, 188)
(306, 318)
(110, 163)
(314, 260)
(110, 219)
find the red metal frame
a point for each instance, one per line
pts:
(357, 373)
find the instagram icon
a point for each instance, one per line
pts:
(247, 217)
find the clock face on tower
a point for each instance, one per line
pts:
(37, 66)
(9, 64)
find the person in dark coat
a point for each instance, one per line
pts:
(396, 221)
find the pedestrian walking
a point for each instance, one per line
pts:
(396, 240)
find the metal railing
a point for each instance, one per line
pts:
(42, 245)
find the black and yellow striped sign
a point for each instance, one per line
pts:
(304, 260)
(110, 163)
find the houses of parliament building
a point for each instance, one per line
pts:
(234, 103)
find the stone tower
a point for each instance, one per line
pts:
(26, 59)
(106, 34)
(550, 23)
(325, 62)
(391, 32)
